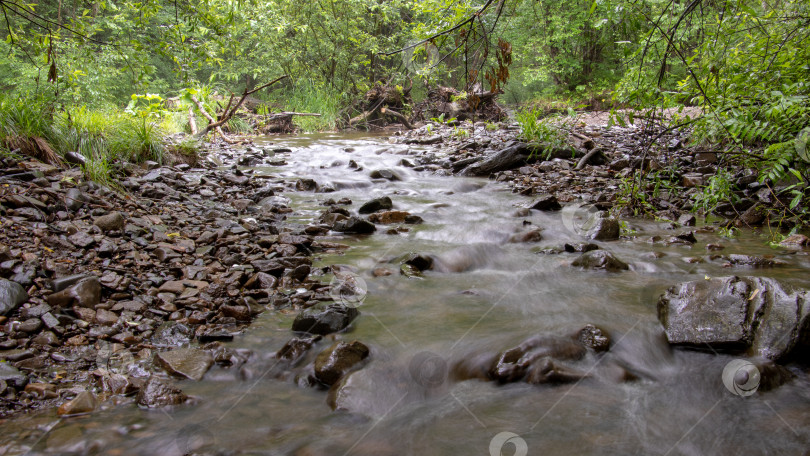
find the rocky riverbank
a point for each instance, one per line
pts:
(598, 164)
(102, 287)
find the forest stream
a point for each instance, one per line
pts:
(429, 330)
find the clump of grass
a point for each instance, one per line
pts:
(26, 128)
(534, 127)
(239, 126)
(307, 96)
(186, 150)
(175, 122)
(105, 137)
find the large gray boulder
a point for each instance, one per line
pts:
(12, 294)
(756, 316)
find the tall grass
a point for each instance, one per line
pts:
(307, 96)
(106, 138)
(238, 125)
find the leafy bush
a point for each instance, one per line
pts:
(718, 190)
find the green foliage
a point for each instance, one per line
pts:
(575, 49)
(238, 125)
(104, 137)
(632, 195)
(461, 133)
(150, 105)
(443, 121)
(728, 232)
(548, 131)
(625, 229)
(308, 96)
(718, 190)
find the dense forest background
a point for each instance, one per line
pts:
(94, 76)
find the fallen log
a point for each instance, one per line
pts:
(281, 115)
(192, 121)
(399, 117)
(230, 110)
(280, 122)
(588, 157)
(359, 118)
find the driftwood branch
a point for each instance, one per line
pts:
(281, 115)
(230, 109)
(192, 121)
(588, 157)
(399, 117)
(211, 121)
(361, 117)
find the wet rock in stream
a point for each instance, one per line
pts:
(354, 225)
(189, 363)
(600, 259)
(84, 402)
(539, 359)
(757, 316)
(602, 227)
(296, 348)
(390, 217)
(545, 202)
(333, 318)
(334, 362)
(377, 204)
(159, 393)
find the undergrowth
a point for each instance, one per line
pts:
(105, 137)
(307, 96)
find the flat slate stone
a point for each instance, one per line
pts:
(190, 363)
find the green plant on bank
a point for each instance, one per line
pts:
(461, 96)
(239, 125)
(550, 132)
(189, 146)
(307, 95)
(632, 196)
(461, 133)
(441, 120)
(728, 232)
(625, 229)
(105, 137)
(717, 191)
(664, 180)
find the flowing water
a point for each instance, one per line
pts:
(401, 402)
